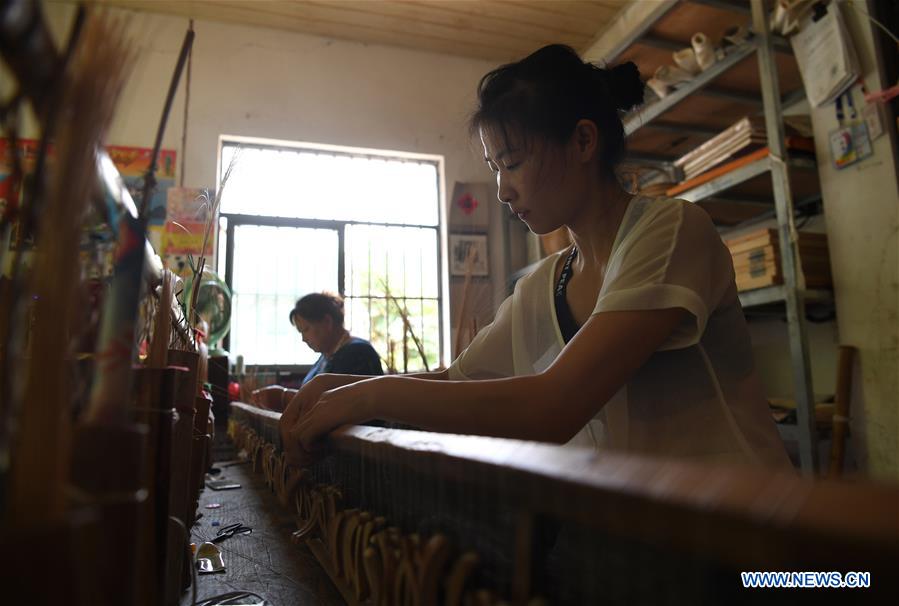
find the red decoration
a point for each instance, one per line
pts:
(234, 391)
(467, 203)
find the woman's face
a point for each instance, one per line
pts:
(535, 180)
(315, 334)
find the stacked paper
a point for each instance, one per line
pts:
(747, 134)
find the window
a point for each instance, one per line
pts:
(299, 218)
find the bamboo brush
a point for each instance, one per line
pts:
(40, 463)
(210, 222)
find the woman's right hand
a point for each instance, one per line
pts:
(301, 403)
(304, 399)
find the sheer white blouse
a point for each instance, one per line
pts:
(698, 396)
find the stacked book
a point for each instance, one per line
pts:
(741, 144)
(746, 135)
(757, 261)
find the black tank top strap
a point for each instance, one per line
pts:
(567, 325)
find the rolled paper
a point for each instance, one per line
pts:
(794, 12)
(705, 52)
(658, 87)
(685, 59)
(779, 17)
(671, 75)
(736, 35)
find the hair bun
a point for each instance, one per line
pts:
(625, 85)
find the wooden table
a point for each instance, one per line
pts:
(265, 561)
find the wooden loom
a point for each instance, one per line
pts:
(407, 517)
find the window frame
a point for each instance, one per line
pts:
(236, 219)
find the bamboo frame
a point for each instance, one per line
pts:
(740, 517)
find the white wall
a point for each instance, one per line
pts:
(268, 83)
(861, 206)
(261, 82)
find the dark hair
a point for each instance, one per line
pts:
(547, 92)
(315, 306)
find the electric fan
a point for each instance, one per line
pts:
(213, 304)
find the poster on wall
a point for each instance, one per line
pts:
(469, 207)
(187, 212)
(12, 189)
(468, 253)
(133, 163)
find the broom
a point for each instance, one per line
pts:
(40, 466)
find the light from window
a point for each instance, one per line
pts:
(391, 273)
(291, 209)
(278, 182)
(273, 267)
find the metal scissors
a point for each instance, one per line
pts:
(226, 532)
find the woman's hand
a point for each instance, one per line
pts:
(268, 397)
(347, 405)
(304, 400)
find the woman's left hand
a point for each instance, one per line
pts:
(347, 405)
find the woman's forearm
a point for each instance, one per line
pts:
(434, 375)
(335, 380)
(519, 407)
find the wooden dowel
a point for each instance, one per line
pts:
(841, 410)
(462, 322)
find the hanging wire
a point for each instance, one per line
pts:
(150, 176)
(854, 6)
(190, 54)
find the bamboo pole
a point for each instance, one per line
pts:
(162, 328)
(462, 324)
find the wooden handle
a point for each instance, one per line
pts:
(841, 409)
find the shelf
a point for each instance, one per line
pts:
(742, 87)
(777, 294)
(740, 175)
(788, 433)
(653, 111)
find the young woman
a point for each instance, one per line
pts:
(632, 339)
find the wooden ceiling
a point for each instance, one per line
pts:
(499, 30)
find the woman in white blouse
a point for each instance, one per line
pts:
(632, 339)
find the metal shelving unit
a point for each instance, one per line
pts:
(792, 294)
(651, 112)
(740, 175)
(777, 294)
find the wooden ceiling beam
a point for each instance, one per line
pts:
(498, 30)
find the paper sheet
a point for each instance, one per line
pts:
(826, 56)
